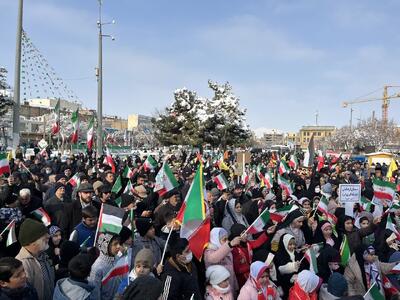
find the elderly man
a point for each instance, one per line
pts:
(27, 202)
(34, 238)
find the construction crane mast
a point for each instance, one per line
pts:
(385, 101)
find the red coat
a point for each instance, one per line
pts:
(241, 264)
(296, 293)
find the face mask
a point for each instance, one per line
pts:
(220, 289)
(188, 257)
(48, 171)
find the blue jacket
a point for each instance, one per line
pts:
(67, 289)
(83, 232)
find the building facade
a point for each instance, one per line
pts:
(321, 134)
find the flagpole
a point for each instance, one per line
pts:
(247, 229)
(166, 245)
(98, 223)
(5, 229)
(369, 289)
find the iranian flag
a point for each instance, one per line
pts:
(90, 134)
(374, 293)
(392, 227)
(244, 179)
(165, 180)
(75, 180)
(345, 251)
(268, 179)
(365, 204)
(396, 269)
(55, 128)
(129, 189)
(128, 173)
(311, 257)
(323, 205)
(75, 126)
(41, 215)
(259, 223)
(121, 268)
(109, 160)
(4, 165)
(293, 162)
(193, 216)
(280, 214)
(285, 185)
(221, 182)
(283, 167)
(149, 164)
(321, 161)
(384, 190)
(110, 219)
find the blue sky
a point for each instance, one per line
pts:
(284, 59)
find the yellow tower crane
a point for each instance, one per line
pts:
(385, 101)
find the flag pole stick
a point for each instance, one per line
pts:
(369, 289)
(247, 229)
(5, 229)
(98, 225)
(166, 245)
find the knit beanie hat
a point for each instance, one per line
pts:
(30, 231)
(216, 274)
(58, 185)
(53, 230)
(124, 234)
(337, 284)
(145, 256)
(143, 225)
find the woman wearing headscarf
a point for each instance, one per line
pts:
(219, 252)
(233, 215)
(387, 245)
(306, 286)
(328, 262)
(364, 269)
(259, 286)
(287, 262)
(241, 256)
(218, 283)
(324, 234)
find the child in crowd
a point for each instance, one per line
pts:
(85, 231)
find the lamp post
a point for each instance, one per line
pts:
(99, 75)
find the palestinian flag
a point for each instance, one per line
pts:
(42, 215)
(384, 190)
(345, 251)
(75, 180)
(193, 216)
(323, 205)
(90, 134)
(321, 161)
(55, 128)
(110, 219)
(75, 126)
(121, 268)
(311, 257)
(374, 293)
(11, 237)
(4, 165)
(110, 160)
(221, 182)
(165, 180)
(117, 185)
(280, 214)
(283, 167)
(396, 269)
(285, 185)
(365, 204)
(128, 173)
(392, 227)
(293, 162)
(149, 164)
(259, 223)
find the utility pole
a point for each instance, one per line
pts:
(351, 117)
(100, 88)
(316, 118)
(17, 77)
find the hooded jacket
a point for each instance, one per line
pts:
(67, 289)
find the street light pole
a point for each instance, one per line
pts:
(100, 88)
(17, 77)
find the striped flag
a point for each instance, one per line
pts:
(121, 268)
(280, 214)
(75, 180)
(374, 293)
(90, 134)
(110, 219)
(384, 190)
(345, 251)
(128, 173)
(321, 161)
(365, 204)
(55, 128)
(396, 269)
(221, 182)
(129, 189)
(75, 125)
(285, 185)
(323, 205)
(269, 180)
(11, 237)
(311, 257)
(283, 167)
(4, 165)
(259, 223)
(109, 160)
(149, 164)
(392, 227)
(41, 215)
(165, 180)
(293, 162)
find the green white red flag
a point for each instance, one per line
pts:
(323, 205)
(221, 182)
(193, 216)
(42, 215)
(109, 160)
(75, 180)
(283, 167)
(4, 165)
(321, 161)
(259, 223)
(121, 268)
(285, 185)
(365, 204)
(280, 214)
(11, 236)
(128, 172)
(165, 180)
(311, 257)
(345, 251)
(75, 126)
(384, 190)
(55, 128)
(392, 227)
(374, 293)
(396, 269)
(149, 164)
(293, 162)
(129, 189)
(90, 134)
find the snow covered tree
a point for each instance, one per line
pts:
(225, 122)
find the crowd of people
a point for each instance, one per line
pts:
(55, 205)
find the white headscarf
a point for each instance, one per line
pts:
(257, 268)
(239, 218)
(216, 234)
(286, 239)
(308, 281)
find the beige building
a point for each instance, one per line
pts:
(135, 120)
(320, 134)
(51, 104)
(115, 122)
